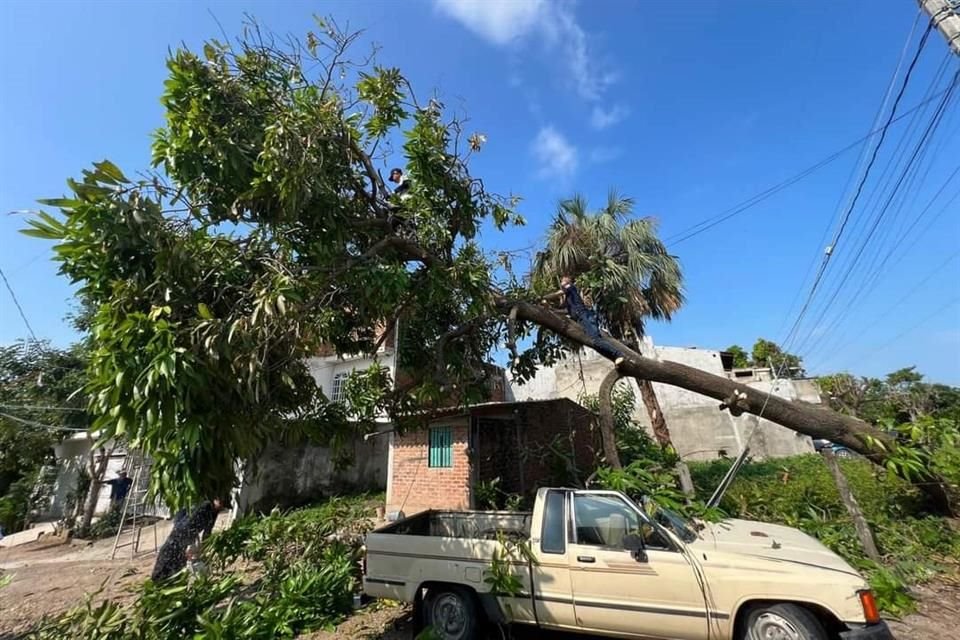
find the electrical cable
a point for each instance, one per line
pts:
(723, 216)
(31, 423)
(16, 302)
(844, 278)
(859, 190)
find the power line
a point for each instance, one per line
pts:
(31, 423)
(872, 280)
(34, 407)
(859, 190)
(23, 316)
(911, 328)
(723, 216)
(857, 168)
(915, 287)
(931, 127)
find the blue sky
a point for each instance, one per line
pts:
(689, 108)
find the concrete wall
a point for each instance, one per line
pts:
(72, 456)
(289, 476)
(700, 431)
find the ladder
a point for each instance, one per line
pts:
(136, 510)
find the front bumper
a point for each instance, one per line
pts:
(879, 631)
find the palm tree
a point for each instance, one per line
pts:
(622, 267)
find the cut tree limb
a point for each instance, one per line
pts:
(802, 417)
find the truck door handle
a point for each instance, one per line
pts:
(587, 559)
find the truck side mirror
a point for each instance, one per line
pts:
(634, 544)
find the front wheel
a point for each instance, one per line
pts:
(782, 622)
(452, 614)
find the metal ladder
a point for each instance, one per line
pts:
(135, 507)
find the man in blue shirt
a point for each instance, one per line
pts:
(119, 487)
(586, 317)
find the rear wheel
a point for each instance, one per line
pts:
(452, 613)
(782, 622)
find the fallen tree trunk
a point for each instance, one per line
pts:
(809, 419)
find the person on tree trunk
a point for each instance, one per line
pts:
(402, 193)
(172, 557)
(586, 317)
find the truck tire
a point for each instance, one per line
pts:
(452, 613)
(782, 622)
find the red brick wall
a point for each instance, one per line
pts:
(415, 486)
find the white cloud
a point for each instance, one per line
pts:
(555, 154)
(499, 21)
(502, 22)
(602, 118)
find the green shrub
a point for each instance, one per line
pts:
(308, 571)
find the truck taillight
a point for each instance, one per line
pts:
(869, 604)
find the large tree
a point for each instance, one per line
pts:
(622, 267)
(270, 231)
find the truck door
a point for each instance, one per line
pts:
(613, 592)
(551, 575)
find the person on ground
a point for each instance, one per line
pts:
(119, 487)
(172, 557)
(579, 312)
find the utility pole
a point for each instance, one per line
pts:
(945, 15)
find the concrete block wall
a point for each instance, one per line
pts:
(415, 486)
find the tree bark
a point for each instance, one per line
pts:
(657, 422)
(812, 420)
(97, 468)
(608, 433)
(853, 508)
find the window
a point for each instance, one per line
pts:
(551, 538)
(339, 381)
(440, 455)
(604, 520)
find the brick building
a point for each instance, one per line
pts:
(524, 444)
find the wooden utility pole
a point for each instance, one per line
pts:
(945, 15)
(860, 523)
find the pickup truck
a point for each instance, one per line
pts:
(599, 564)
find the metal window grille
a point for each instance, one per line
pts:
(441, 447)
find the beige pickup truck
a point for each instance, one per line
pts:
(601, 565)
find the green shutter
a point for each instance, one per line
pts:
(440, 454)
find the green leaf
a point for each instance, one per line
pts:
(204, 311)
(111, 170)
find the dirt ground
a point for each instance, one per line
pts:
(51, 577)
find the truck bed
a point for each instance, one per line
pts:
(482, 525)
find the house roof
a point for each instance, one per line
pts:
(500, 408)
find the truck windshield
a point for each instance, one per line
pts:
(675, 522)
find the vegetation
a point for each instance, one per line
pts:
(39, 403)
(766, 353)
(296, 572)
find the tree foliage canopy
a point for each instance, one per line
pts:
(266, 234)
(619, 262)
